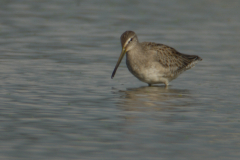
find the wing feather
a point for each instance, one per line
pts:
(170, 58)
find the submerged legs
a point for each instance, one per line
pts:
(166, 84)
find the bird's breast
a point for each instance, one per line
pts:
(133, 64)
(144, 71)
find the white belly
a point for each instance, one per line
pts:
(151, 75)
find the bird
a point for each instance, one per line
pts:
(153, 63)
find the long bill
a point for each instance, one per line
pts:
(118, 62)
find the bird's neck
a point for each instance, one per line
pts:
(135, 55)
(136, 50)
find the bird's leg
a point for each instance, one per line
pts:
(149, 85)
(166, 84)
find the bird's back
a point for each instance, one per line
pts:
(171, 59)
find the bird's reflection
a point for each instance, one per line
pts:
(157, 97)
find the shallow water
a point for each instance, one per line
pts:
(59, 102)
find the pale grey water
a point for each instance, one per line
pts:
(58, 101)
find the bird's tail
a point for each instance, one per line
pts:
(193, 60)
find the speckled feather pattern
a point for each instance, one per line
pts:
(170, 58)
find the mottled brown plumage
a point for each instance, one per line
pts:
(153, 63)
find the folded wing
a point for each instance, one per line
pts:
(170, 58)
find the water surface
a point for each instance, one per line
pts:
(59, 102)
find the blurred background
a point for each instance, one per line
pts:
(57, 100)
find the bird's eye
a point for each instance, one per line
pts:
(129, 40)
